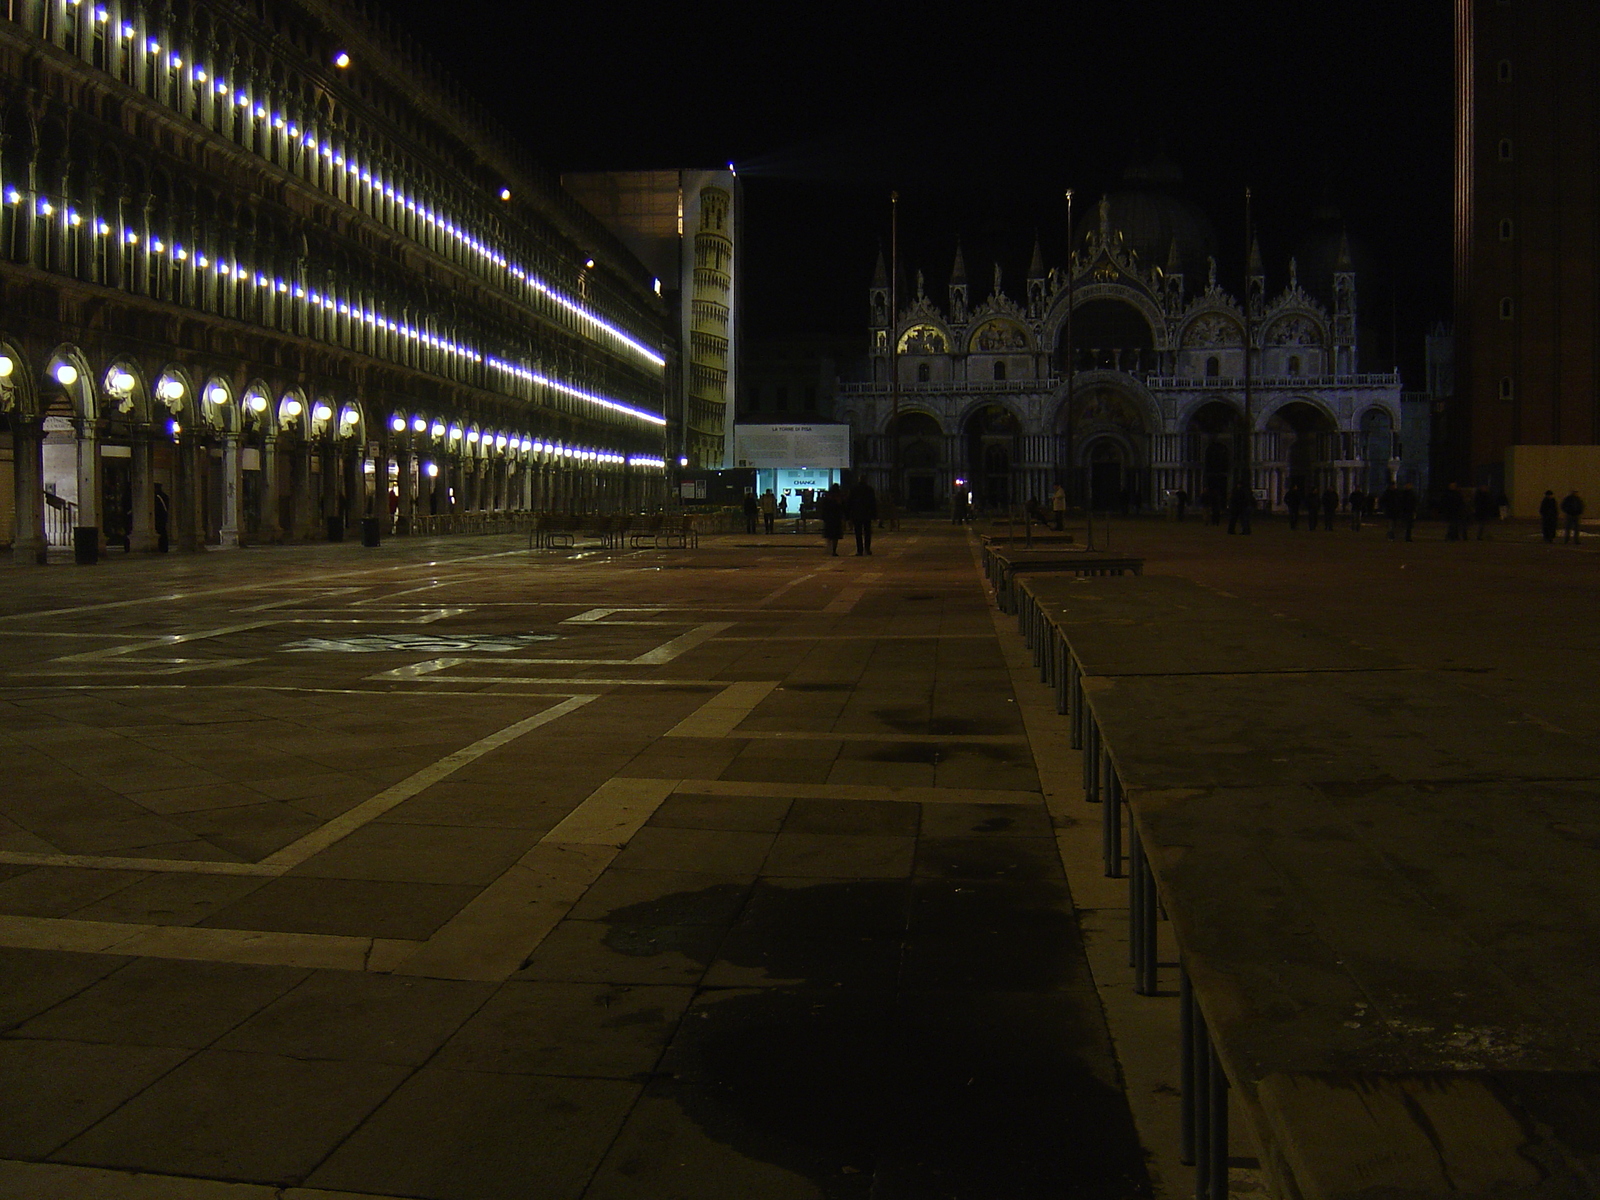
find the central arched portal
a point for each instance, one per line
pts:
(991, 439)
(919, 445)
(1216, 441)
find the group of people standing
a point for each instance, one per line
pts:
(1569, 507)
(858, 505)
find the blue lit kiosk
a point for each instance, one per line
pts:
(793, 460)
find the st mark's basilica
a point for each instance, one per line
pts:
(1143, 390)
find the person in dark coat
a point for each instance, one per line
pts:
(163, 516)
(1484, 510)
(831, 509)
(752, 506)
(1180, 501)
(1406, 506)
(1292, 499)
(1330, 505)
(1241, 503)
(1549, 514)
(863, 509)
(1358, 506)
(1572, 506)
(1453, 508)
(1389, 506)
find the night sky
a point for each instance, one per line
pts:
(981, 115)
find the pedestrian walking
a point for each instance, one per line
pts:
(1358, 507)
(831, 509)
(1484, 509)
(163, 516)
(862, 506)
(769, 509)
(1453, 508)
(1180, 500)
(1389, 506)
(1549, 514)
(1406, 505)
(751, 508)
(1292, 500)
(1572, 508)
(1330, 505)
(1241, 503)
(1058, 506)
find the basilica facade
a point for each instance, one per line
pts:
(1123, 376)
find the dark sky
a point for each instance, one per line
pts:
(981, 115)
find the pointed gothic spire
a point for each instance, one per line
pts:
(880, 273)
(1344, 262)
(1036, 263)
(1174, 264)
(1255, 267)
(958, 272)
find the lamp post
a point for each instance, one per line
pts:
(1247, 467)
(1072, 367)
(894, 348)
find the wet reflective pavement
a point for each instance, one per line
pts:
(456, 871)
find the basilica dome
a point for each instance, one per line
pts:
(1151, 214)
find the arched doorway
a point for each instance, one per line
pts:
(921, 454)
(1108, 475)
(1303, 434)
(991, 437)
(1215, 433)
(1377, 449)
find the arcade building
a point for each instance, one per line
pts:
(266, 271)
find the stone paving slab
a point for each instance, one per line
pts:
(846, 818)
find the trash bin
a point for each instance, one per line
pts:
(369, 531)
(335, 529)
(85, 545)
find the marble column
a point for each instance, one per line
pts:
(143, 537)
(271, 530)
(88, 446)
(27, 442)
(228, 531)
(406, 462)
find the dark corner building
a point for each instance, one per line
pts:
(1527, 307)
(266, 258)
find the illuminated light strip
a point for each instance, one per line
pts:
(535, 377)
(541, 286)
(372, 318)
(198, 74)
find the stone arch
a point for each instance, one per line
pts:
(1211, 328)
(67, 373)
(1053, 333)
(1087, 383)
(991, 434)
(1301, 438)
(19, 387)
(126, 392)
(1000, 335)
(258, 413)
(216, 407)
(1214, 433)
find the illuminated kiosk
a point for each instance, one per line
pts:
(791, 459)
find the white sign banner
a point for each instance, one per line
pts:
(792, 447)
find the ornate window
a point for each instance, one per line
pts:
(1294, 364)
(999, 372)
(1507, 229)
(1213, 367)
(924, 373)
(1508, 308)
(1507, 389)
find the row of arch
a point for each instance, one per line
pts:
(1116, 322)
(94, 447)
(1111, 452)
